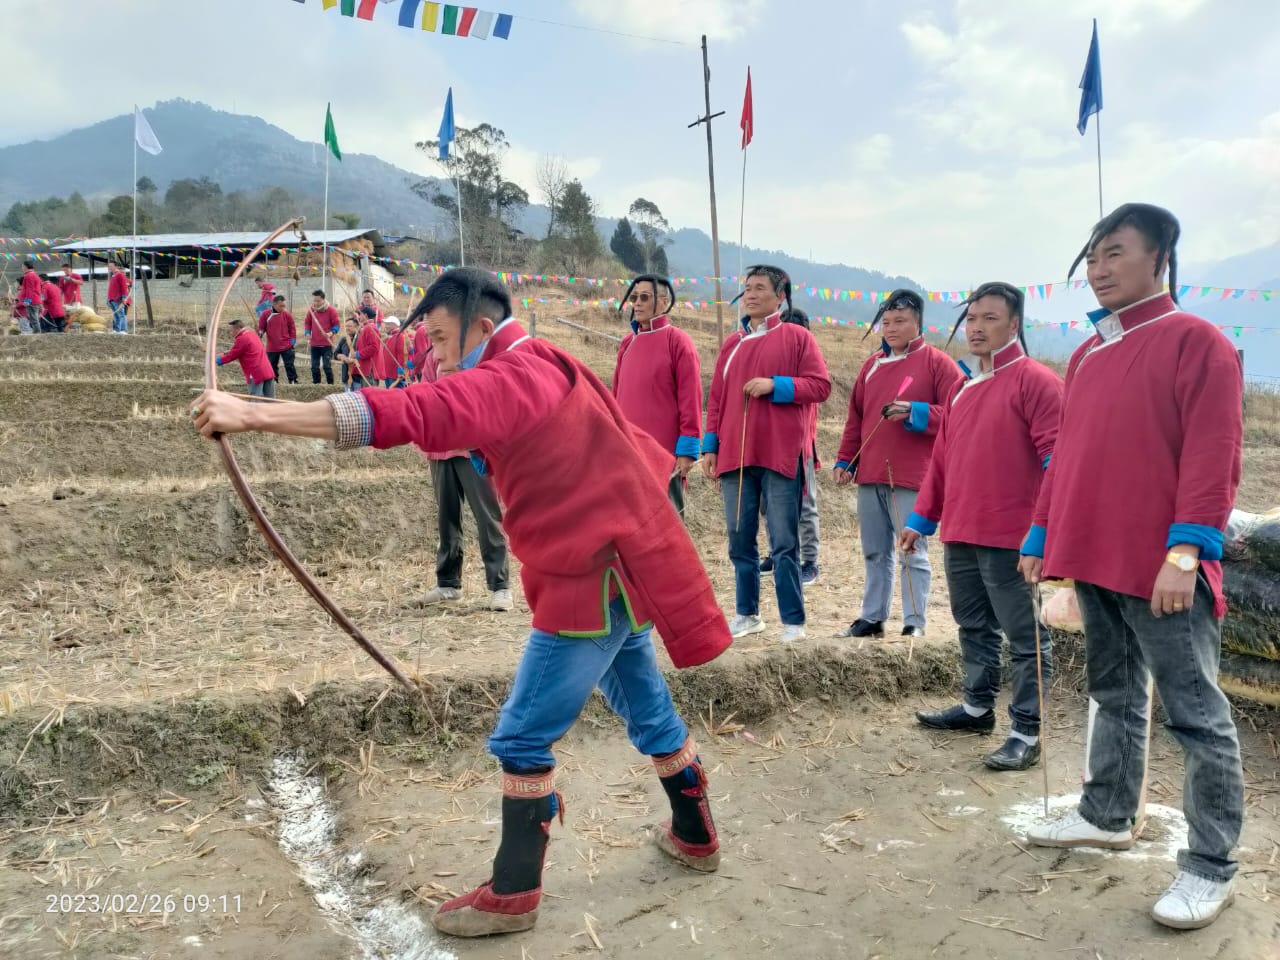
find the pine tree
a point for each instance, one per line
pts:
(626, 247)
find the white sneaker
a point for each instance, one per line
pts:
(500, 600)
(1075, 831)
(440, 595)
(1192, 902)
(742, 626)
(791, 632)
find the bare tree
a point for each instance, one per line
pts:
(552, 177)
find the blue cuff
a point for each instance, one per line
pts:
(1044, 464)
(842, 465)
(1033, 545)
(219, 361)
(687, 447)
(1208, 539)
(710, 443)
(784, 390)
(926, 528)
(918, 422)
(479, 463)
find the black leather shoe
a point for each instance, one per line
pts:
(864, 628)
(913, 632)
(1014, 755)
(955, 718)
(766, 565)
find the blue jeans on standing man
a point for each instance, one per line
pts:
(1123, 641)
(781, 497)
(555, 679)
(119, 316)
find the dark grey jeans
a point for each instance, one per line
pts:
(1123, 640)
(454, 480)
(989, 595)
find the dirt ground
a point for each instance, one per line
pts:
(155, 664)
(846, 834)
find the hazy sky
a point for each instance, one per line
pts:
(933, 138)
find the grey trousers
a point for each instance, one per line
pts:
(454, 480)
(1123, 641)
(808, 517)
(877, 526)
(988, 596)
(263, 388)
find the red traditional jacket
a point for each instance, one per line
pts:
(777, 427)
(657, 382)
(1148, 454)
(997, 435)
(905, 444)
(248, 349)
(585, 492)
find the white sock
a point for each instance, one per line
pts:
(1024, 737)
(974, 711)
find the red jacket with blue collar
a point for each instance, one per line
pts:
(995, 441)
(657, 382)
(584, 491)
(777, 425)
(1149, 451)
(905, 444)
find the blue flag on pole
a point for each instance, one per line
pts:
(446, 126)
(1090, 84)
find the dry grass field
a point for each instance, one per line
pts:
(175, 713)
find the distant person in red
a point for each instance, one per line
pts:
(367, 300)
(421, 347)
(367, 348)
(321, 326)
(70, 282)
(344, 350)
(390, 370)
(657, 380)
(891, 430)
(1133, 508)
(603, 554)
(768, 375)
(30, 299)
(54, 319)
(247, 348)
(282, 335)
(267, 291)
(118, 297)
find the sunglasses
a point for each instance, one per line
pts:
(640, 298)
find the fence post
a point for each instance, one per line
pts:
(533, 323)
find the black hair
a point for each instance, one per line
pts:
(370, 312)
(797, 316)
(777, 276)
(29, 264)
(1014, 299)
(1158, 227)
(657, 282)
(278, 297)
(318, 293)
(898, 300)
(467, 293)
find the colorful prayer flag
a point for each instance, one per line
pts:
(366, 9)
(1090, 84)
(747, 123)
(465, 21)
(409, 13)
(330, 134)
(450, 27)
(481, 25)
(446, 134)
(348, 8)
(430, 16)
(502, 29)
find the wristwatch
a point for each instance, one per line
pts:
(1183, 561)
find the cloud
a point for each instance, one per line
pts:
(679, 20)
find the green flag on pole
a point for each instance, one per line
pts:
(330, 134)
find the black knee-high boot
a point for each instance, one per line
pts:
(690, 835)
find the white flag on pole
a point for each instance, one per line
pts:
(143, 134)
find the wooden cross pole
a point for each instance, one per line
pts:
(711, 179)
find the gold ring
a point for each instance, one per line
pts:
(1177, 605)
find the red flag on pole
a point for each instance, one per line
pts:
(747, 124)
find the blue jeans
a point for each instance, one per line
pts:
(1122, 642)
(119, 316)
(555, 679)
(878, 519)
(781, 497)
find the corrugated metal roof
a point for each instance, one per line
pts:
(175, 241)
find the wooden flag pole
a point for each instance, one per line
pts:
(711, 179)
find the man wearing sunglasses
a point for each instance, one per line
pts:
(895, 410)
(658, 381)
